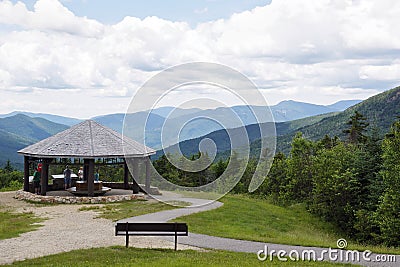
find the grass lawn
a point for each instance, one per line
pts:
(126, 209)
(242, 217)
(13, 224)
(120, 256)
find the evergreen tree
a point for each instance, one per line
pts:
(299, 171)
(276, 179)
(357, 127)
(388, 214)
(8, 167)
(335, 187)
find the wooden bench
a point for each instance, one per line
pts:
(151, 229)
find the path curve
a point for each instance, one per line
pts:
(213, 242)
(66, 229)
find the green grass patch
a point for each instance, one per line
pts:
(13, 224)
(120, 256)
(126, 209)
(242, 217)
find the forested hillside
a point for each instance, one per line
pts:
(19, 131)
(380, 110)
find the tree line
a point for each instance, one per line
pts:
(352, 183)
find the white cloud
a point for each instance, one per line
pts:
(383, 73)
(315, 50)
(48, 15)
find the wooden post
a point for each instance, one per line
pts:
(44, 179)
(147, 183)
(135, 186)
(176, 236)
(26, 173)
(90, 178)
(126, 176)
(127, 235)
(85, 170)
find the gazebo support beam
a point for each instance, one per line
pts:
(44, 179)
(135, 186)
(126, 176)
(26, 173)
(90, 177)
(147, 182)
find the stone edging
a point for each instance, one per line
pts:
(23, 195)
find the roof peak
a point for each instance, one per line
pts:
(88, 139)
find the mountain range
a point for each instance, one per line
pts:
(19, 129)
(380, 110)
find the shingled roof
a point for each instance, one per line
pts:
(87, 139)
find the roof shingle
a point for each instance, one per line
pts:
(87, 139)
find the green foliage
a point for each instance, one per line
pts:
(299, 170)
(13, 186)
(388, 214)
(357, 128)
(276, 180)
(348, 184)
(10, 178)
(186, 178)
(379, 109)
(335, 186)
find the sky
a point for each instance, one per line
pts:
(84, 58)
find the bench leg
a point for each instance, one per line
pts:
(127, 235)
(176, 241)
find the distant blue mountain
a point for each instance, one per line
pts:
(54, 118)
(344, 104)
(19, 129)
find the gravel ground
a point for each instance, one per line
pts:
(65, 229)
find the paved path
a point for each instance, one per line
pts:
(68, 229)
(205, 241)
(65, 229)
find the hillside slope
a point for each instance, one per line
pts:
(19, 131)
(380, 110)
(221, 138)
(50, 117)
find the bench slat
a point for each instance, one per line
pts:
(152, 234)
(151, 227)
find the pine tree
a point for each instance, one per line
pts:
(8, 167)
(299, 170)
(357, 128)
(388, 214)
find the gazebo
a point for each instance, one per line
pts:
(89, 141)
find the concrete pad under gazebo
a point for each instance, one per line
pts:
(87, 140)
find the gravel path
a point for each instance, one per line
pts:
(206, 241)
(65, 229)
(68, 229)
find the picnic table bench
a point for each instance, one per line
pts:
(151, 229)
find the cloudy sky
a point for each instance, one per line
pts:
(83, 58)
